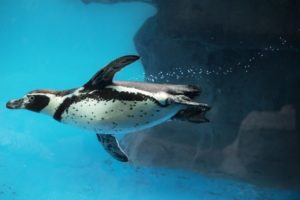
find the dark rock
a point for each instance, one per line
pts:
(248, 53)
(267, 148)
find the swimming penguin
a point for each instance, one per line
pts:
(109, 107)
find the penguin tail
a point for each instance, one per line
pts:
(190, 91)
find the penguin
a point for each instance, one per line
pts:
(108, 107)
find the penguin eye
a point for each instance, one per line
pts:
(31, 98)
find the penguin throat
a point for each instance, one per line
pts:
(53, 104)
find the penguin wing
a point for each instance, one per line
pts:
(104, 76)
(111, 146)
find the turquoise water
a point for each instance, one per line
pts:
(60, 44)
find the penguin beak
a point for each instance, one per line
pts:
(15, 104)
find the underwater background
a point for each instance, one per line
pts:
(244, 54)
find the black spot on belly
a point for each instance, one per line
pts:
(103, 94)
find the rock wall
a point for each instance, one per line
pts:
(246, 57)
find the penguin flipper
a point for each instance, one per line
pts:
(111, 146)
(104, 76)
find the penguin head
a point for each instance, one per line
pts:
(34, 101)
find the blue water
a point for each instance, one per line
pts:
(60, 44)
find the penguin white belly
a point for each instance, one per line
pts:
(117, 117)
